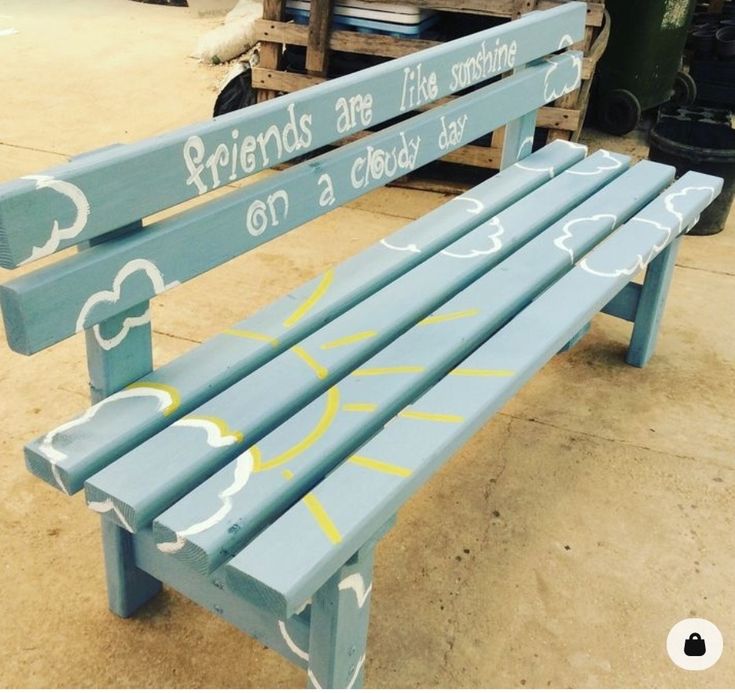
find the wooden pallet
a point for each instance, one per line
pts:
(562, 120)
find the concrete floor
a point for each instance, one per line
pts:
(557, 549)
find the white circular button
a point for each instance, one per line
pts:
(694, 644)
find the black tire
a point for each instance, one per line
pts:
(237, 93)
(619, 112)
(685, 89)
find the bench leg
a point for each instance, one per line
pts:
(339, 624)
(651, 306)
(128, 587)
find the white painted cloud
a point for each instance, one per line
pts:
(113, 295)
(58, 234)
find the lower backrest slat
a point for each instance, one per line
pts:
(180, 457)
(96, 437)
(51, 304)
(293, 557)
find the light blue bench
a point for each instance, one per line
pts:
(256, 473)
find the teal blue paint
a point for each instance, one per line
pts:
(188, 530)
(212, 593)
(625, 304)
(83, 197)
(128, 587)
(53, 303)
(340, 614)
(119, 352)
(651, 306)
(357, 499)
(181, 456)
(227, 358)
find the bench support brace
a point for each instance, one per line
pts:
(651, 306)
(117, 355)
(340, 612)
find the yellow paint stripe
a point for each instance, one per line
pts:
(430, 416)
(445, 317)
(482, 373)
(170, 390)
(222, 426)
(330, 411)
(360, 406)
(249, 334)
(392, 370)
(378, 466)
(287, 474)
(321, 371)
(350, 339)
(310, 302)
(322, 518)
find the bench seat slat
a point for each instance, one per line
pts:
(83, 198)
(110, 431)
(220, 516)
(181, 456)
(290, 560)
(50, 304)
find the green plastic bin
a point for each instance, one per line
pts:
(641, 67)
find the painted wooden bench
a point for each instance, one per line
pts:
(256, 473)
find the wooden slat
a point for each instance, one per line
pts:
(357, 498)
(50, 304)
(81, 200)
(140, 485)
(346, 41)
(351, 42)
(270, 53)
(220, 362)
(275, 80)
(317, 44)
(196, 530)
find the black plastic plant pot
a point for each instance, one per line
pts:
(699, 139)
(703, 41)
(726, 42)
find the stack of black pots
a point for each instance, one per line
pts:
(714, 34)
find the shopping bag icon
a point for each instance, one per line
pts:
(694, 646)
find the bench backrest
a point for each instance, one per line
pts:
(100, 199)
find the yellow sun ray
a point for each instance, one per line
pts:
(445, 317)
(249, 334)
(430, 416)
(349, 339)
(379, 466)
(359, 406)
(309, 360)
(322, 518)
(390, 370)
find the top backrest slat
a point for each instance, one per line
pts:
(104, 191)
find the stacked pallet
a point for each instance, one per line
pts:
(562, 120)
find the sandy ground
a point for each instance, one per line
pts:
(557, 549)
